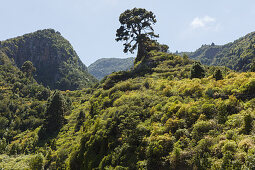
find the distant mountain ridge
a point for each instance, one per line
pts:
(57, 64)
(237, 55)
(106, 66)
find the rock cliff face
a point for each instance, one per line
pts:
(57, 64)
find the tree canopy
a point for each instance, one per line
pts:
(136, 29)
(197, 70)
(28, 68)
(54, 116)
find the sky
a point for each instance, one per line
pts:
(90, 25)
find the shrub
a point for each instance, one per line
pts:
(201, 128)
(37, 162)
(246, 144)
(249, 88)
(209, 110)
(230, 146)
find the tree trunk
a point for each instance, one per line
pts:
(140, 52)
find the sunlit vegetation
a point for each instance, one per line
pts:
(168, 112)
(55, 62)
(237, 55)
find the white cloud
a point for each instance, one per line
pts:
(203, 22)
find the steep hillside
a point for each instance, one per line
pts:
(156, 117)
(152, 117)
(106, 66)
(57, 64)
(237, 55)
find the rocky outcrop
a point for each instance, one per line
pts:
(57, 64)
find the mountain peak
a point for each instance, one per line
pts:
(58, 65)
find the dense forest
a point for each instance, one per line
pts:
(57, 64)
(237, 55)
(106, 66)
(167, 112)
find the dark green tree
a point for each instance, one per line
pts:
(218, 74)
(56, 109)
(80, 120)
(197, 70)
(252, 67)
(135, 30)
(28, 68)
(247, 123)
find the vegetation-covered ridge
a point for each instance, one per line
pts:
(238, 55)
(106, 66)
(57, 64)
(162, 119)
(168, 112)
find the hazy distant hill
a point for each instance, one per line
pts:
(237, 55)
(106, 66)
(57, 64)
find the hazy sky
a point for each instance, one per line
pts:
(90, 25)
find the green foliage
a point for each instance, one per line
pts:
(237, 55)
(28, 68)
(135, 30)
(201, 128)
(80, 120)
(54, 116)
(218, 75)
(151, 117)
(247, 123)
(106, 66)
(197, 70)
(37, 162)
(57, 64)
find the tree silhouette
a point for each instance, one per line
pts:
(197, 70)
(56, 109)
(218, 75)
(135, 30)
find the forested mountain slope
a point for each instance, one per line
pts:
(168, 112)
(156, 117)
(237, 55)
(152, 117)
(106, 66)
(57, 64)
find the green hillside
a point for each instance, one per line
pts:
(237, 55)
(168, 112)
(106, 66)
(57, 64)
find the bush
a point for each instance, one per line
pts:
(201, 128)
(229, 146)
(209, 110)
(37, 162)
(249, 88)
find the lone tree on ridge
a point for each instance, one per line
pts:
(135, 30)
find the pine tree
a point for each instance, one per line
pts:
(218, 75)
(56, 109)
(247, 123)
(197, 70)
